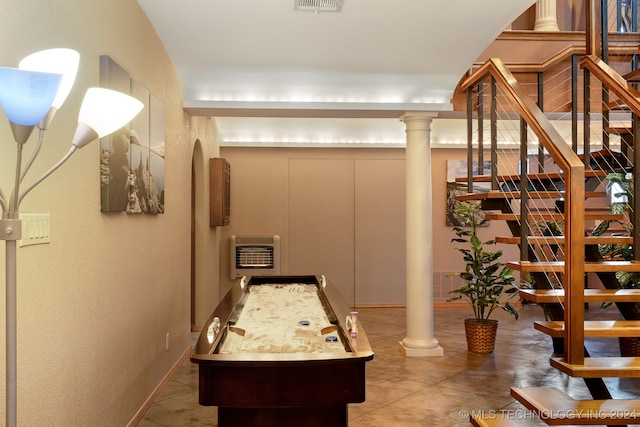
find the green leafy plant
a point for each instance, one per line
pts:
(620, 188)
(550, 228)
(486, 279)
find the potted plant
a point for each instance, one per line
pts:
(620, 189)
(486, 280)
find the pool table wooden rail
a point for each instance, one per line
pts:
(282, 389)
(230, 307)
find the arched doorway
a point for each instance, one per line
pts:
(197, 183)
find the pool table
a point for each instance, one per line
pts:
(281, 351)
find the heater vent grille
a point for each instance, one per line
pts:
(318, 5)
(254, 255)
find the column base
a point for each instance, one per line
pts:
(423, 351)
(546, 25)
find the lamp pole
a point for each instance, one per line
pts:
(11, 232)
(30, 97)
(13, 228)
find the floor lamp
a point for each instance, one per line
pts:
(30, 96)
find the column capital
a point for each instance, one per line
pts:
(418, 120)
(427, 116)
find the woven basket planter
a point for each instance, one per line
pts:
(481, 335)
(629, 346)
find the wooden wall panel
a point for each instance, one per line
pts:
(321, 227)
(380, 232)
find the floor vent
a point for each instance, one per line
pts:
(318, 5)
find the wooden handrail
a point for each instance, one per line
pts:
(574, 197)
(613, 81)
(548, 136)
(615, 49)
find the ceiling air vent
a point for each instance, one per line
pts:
(318, 5)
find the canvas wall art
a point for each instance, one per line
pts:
(132, 158)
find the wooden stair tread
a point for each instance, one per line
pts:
(540, 176)
(592, 328)
(558, 408)
(600, 367)
(596, 208)
(599, 154)
(617, 105)
(589, 266)
(632, 76)
(500, 420)
(613, 230)
(542, 296)
(620, 130)
(518, 195)
(559, 240)
(552, 216)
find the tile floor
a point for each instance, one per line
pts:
(433, 391)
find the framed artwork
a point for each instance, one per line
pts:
(132, 158)
(458, 168)
(155, 189)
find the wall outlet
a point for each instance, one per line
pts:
(166, 342)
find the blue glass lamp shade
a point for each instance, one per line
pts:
(26, 96)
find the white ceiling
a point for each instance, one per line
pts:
(271, 75)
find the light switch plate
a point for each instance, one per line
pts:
(35, 229)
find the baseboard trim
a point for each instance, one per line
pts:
(156, 392)
(373, 306)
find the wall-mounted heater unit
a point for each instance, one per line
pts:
(254, 256)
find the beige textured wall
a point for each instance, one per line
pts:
(263, 203)
(94, 306)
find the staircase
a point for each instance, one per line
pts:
(552, 214)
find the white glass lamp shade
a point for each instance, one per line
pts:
(60, 61)
(26, 96)
(103, 111)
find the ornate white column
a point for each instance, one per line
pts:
(546, 19)
(420, 340)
